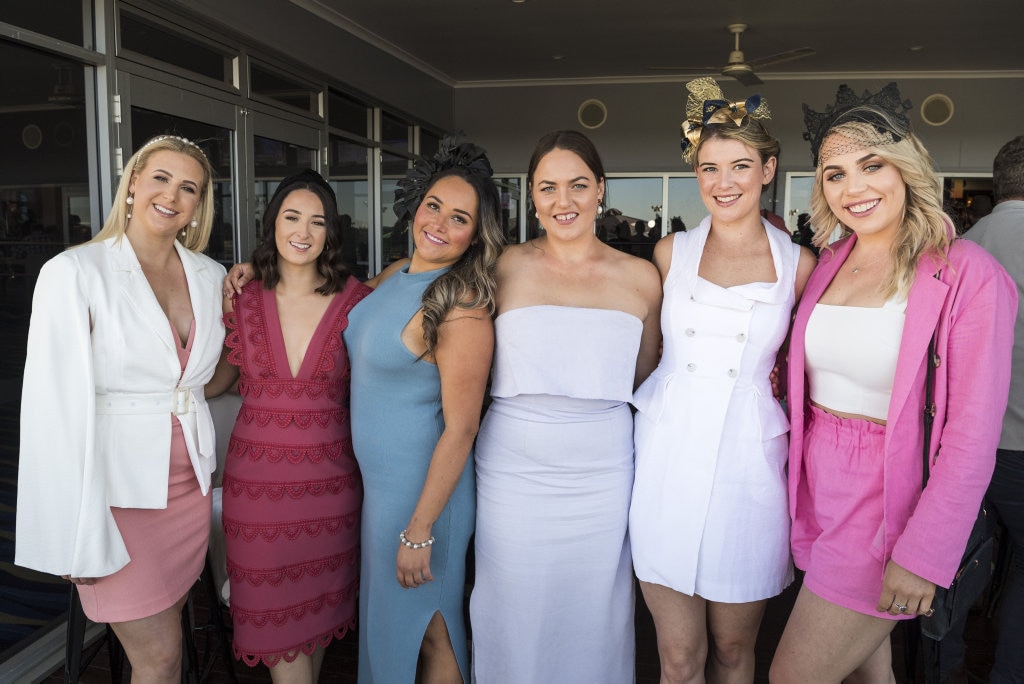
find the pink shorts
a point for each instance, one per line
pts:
(842, 465)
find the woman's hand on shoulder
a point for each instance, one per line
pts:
(237, 277)
(388, 271)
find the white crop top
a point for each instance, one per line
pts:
(851, 356)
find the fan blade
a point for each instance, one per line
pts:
(781, 57)
(694, 70)
(747, 78)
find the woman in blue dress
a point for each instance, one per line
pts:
(421, 351)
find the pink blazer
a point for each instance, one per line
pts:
(972, 306)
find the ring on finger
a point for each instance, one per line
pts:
(901, 607)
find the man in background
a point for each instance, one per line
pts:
(1001, 233)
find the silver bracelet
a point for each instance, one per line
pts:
(414, 545)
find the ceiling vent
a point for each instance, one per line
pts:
(937, 109)
(592, 114)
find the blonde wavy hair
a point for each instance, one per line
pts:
(195, 239)
(924, 227)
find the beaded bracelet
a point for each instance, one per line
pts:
(414, 545)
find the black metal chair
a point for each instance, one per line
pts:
(214, 624)
(75, 661)
(195, 667)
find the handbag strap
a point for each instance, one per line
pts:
(931, 363)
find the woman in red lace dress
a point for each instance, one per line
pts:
(292, 491)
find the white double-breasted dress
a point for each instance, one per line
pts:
(709, 507)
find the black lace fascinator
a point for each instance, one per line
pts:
(885, 112)
(450, 153)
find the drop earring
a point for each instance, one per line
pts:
(194, 223)
(129, 200)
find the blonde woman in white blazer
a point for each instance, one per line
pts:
(117, 444)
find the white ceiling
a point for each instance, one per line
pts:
(476, 42)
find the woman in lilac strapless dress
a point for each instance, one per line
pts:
(577, 328)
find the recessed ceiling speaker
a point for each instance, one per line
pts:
(592, 114)
(937, 109)
(31, 136)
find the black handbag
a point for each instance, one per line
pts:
(951, 605)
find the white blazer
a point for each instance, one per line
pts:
(101, 378)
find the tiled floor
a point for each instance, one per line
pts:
(340, 662)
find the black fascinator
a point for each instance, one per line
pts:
(450, 154)
(884, 111)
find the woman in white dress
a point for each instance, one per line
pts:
(576, 331)
(709, 523)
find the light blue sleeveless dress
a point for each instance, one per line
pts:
(396, 422)
(553, 594)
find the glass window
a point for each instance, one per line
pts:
(395, 243)
(966, 198)
(67, 20)
(216, 143)
(45, 170)
(275, 161)
(685, 207)
(160, 42)
(348, 114)
(429, 142)
(510, 191)
(349, 174)
(46, 204)
(798, 196)
(632, 217)
(395, 132)
(280, 88)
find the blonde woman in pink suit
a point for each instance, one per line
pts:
(872, 544)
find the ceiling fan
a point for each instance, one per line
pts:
(739, 68)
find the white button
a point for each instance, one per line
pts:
(741, 337)
(691, 367)
(690, 332)
(733, 373)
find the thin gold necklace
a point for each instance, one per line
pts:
(869, 263)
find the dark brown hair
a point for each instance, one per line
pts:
(330, 263)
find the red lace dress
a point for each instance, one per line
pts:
(292, 491)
